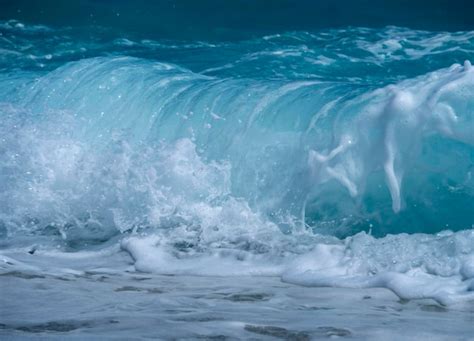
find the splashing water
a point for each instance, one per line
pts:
(329, 158)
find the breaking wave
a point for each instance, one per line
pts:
(252, 166)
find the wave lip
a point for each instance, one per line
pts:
(388, 130)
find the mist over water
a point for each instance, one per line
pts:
(327, 156)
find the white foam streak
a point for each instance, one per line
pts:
(390, 130)
(412, 266)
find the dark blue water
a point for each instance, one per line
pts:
(240, 19)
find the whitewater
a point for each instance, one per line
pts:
(275, 186)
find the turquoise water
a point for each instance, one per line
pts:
(323, 145)
(299, 125)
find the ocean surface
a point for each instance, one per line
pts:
(180, 175)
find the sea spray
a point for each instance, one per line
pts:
(326, 158)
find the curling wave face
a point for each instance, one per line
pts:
(251, 157)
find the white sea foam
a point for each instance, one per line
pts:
(418, 266)
(438, 267)
(389, 132)
(412, 266)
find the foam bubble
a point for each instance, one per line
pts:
(417, 266)
(412, 266)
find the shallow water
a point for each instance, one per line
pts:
(88, 301)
